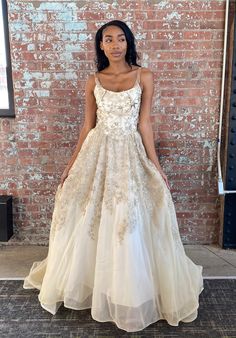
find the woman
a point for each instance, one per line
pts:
(114, 242)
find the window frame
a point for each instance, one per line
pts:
(9, 112)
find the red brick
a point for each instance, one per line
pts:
(185, 54)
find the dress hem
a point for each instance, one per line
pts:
(44, 306)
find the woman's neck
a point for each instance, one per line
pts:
(117, 68)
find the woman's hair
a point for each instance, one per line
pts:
(131, 55)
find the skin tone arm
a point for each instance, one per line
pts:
(89, 123)
(144, 126)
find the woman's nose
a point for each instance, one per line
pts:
(115, 45)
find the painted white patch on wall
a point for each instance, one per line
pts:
(172, 16)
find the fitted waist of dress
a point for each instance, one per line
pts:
(116, 129)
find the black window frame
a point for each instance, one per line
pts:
(9, 112)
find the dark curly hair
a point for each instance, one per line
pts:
(131, 56)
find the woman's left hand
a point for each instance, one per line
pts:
(165, 179)
(163, 176)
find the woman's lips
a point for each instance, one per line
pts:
(116, 54)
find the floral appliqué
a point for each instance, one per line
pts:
(111, 170)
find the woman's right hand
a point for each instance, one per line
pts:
(64, 176)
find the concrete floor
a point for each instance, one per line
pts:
(16, 260)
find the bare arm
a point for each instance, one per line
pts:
(145, 126)
(90, 118)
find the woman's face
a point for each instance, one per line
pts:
(114, 43)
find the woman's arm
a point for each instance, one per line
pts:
(144, 125)
(89, 122)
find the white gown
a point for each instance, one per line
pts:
(114, 243)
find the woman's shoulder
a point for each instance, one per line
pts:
(90, 82)
(145, 70)
(146, 74)
(91, 76)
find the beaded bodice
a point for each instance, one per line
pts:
(118, 112)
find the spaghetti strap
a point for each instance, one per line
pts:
(96, 78)
(138, 75)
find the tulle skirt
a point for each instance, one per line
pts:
(114, 242)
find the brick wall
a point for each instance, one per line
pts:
(52, 55)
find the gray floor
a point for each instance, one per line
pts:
(16, 260)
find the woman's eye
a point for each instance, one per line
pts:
(109, 40)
